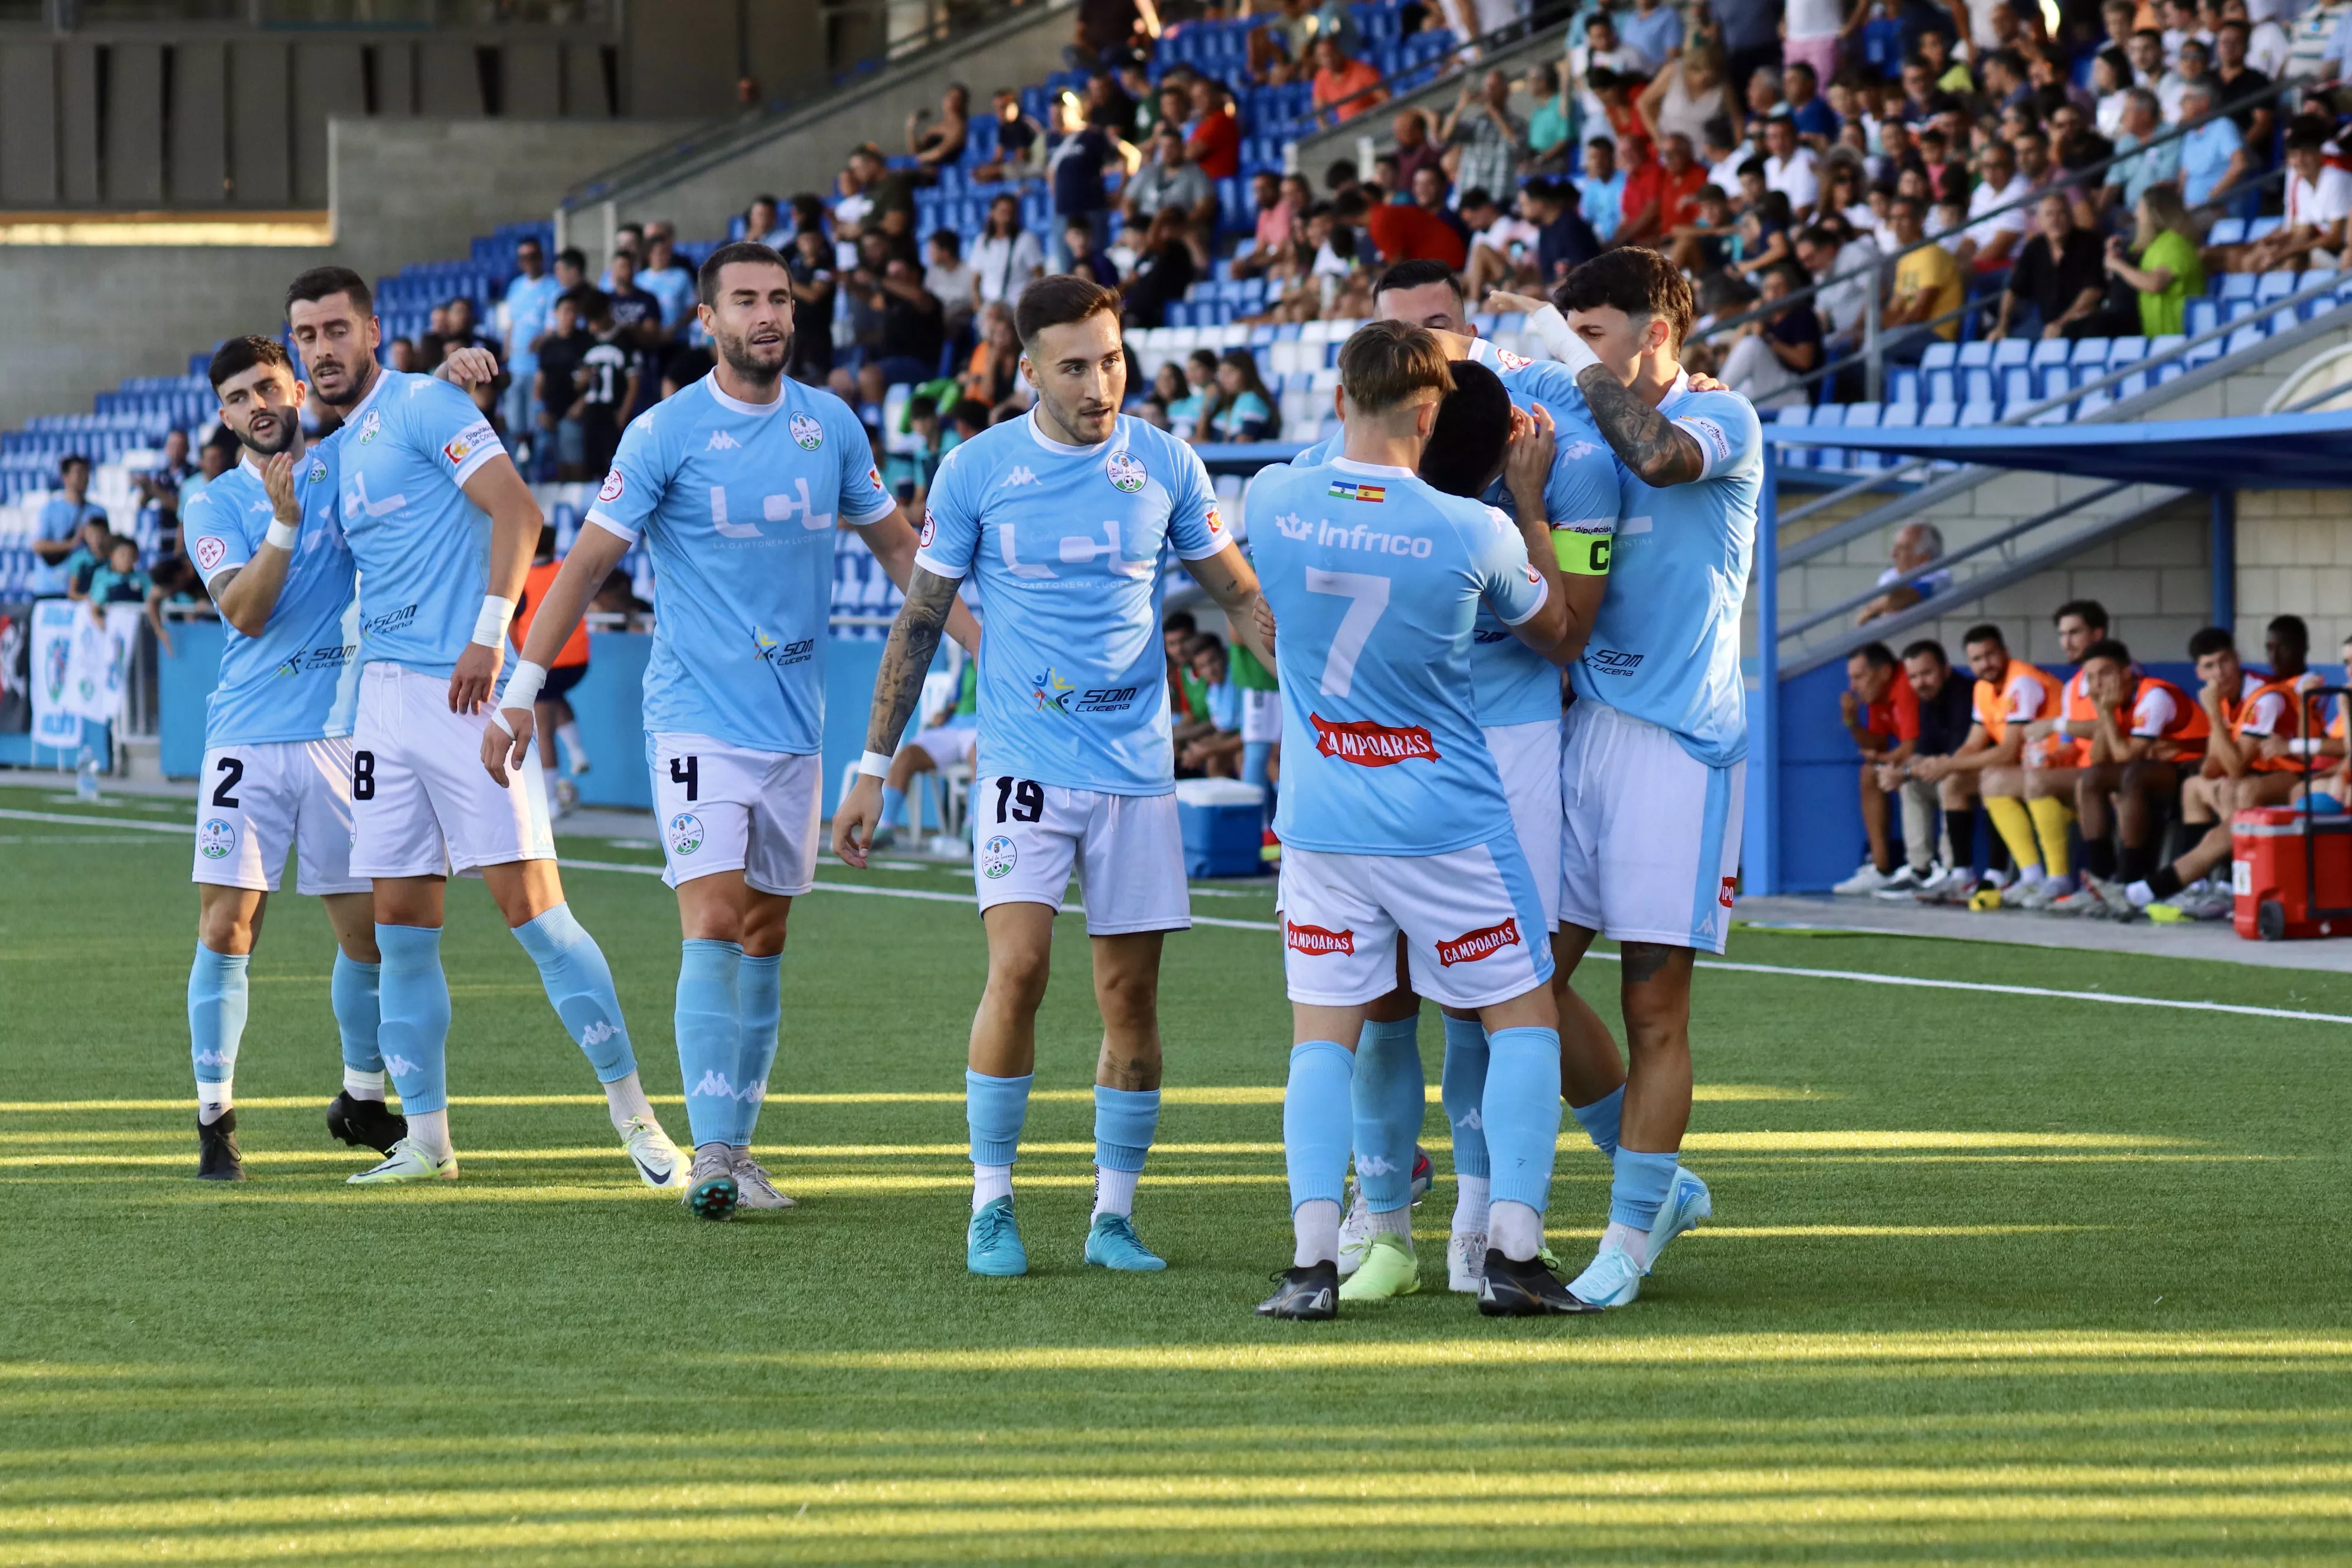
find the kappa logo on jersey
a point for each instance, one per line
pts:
(807, 434)
(1126, 472)
(1018, 476)
(1472, 945)
(373, 426)
(1370, 745)
(1576, 450)
(1506, 360)
(998, 857)
(613, 486)
(216, 838)
(722, 442)
(684, 832)
(1317, 940)
(209, 551)
(1349, 489)
(1730, 886)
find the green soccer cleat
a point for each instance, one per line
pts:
(992, 1246)
(658, 1159)
(408, 1162)
(1687, 1203)
(1389, 1270)
(1111, 1243)
(710, 1190)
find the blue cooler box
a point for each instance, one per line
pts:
(1223, 821)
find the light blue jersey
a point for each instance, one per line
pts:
(298, 681)
(1666, 644)
(422, 549)
(737, 501)
(1064, 543)
(1375, 580)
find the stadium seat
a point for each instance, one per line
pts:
(2228, 231)
(1980, 412)
(1899, 416)
(1863, 416)
(2204, 315)
(2016, 387)
(1939, 355)
(1939, 415)
(2237, 285)
(1796, 457)
(1975, 355)
(2090, 352)
(1831, 414)
(2012, 352)
(1901, 386)
(2261, 227)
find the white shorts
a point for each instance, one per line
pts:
(1652, 847)
(1261, 717)
(948, 744)
(1129, 852)
(726, 808)
(257, 801)
(1470, 919)
(422, 803)
(1527, 756)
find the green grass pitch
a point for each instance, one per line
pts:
(1992, 1278)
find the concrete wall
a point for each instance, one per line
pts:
(2294, 557)
(75, 320)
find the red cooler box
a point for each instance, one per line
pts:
(2273, 851)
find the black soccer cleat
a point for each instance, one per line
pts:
(1308, 1295)
(1525, 1291)
(365, 1123)
(217, 1158)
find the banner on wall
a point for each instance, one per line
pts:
(80, 666)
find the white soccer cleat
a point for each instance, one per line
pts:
(658, 1159)
(1466, 1263)
(1867, 880)
(755, 1189)
(1687, 1203)
(1355, 1235)
(1612, 1279)
(407, 1163)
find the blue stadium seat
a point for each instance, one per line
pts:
(1863, 416)
(2261, 227)
(1942, 386)
(2274, 286)
(1899, 416)
(2011, 351)
(1901, 386)
(1940, 415)
(2051, 351)
(1976, 386)
(2090, 351)
(1978, 411)
(2016, 386)
(2204, 315)
(1796, 457)
(2235, 286)
(1975, 355)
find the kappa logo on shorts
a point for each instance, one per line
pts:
(998, 857)
(1472, 945)
(1730, 887)
(216, 838)
(1370, 745)
(684, 832)
(807, 434)
(1315, 939)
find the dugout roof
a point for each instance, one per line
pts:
(2266, 451)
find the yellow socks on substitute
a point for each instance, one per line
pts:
(2052, 818)
(2016, 830)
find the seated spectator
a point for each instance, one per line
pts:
(760, 226)
(2164, 266)
(2148, 732)
(1996, 226)
(1701, 247)
(1551, 124)
(90, 550)
(1245, 409)
(669, 281)
(1685, 96)
(116, 579)
(1196, 393)
(1079, 256)
(1772, 351)
(808, 261)
(2318, 199)
(1946, 710)
(1167, 178)
(1272, 227)
(2060, 277)
(685, 366)
(1564, 241)
(1344, 88)
(2214, 163)
(1170, 392)
(1005, 258)
(1763, 232)
(1907, 581)
(909, 473)
(159, 488)
(65, 519)
(938, 145)
(1601, 189)
(1661, 196)
(1844, 277)
(400, 355)
(953, 283)
(913, 324)
(1020, 143)
(1075, 168)
(1212, 746)
(1789, 167)
(215, 457)
(1816, 123)
(1165, 271)
(2134, 173)
(1403, 231)
(457, 331)
(1214, 142)
(1415, 150)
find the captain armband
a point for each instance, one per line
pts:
(1582, 554)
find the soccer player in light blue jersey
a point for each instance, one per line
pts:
(1062, 519)
(1655, 762)
(277, 772)
(735, 484)
(442, 528)
(1394, 824)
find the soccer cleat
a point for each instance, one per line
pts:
(1868, 879)
(1308, 1295)
(1424, 1174)
(567, 797)
(2118, 901)
(1904, 883)
(754, 1188)
(992, 1246)
(1612, 1279)
(1466, 1262)
(365, 1123)
(1355, 1232)
(1526, 1290)
(658, 1159)
(217, 1158)
(2208, 903)
(2023, 895)
(2084, 901)
(1687, 1203)
(1111, 1243)
(407, 1161)
(1389, 1270)
(710, 1189)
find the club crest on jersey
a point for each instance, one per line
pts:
(807, 434)
(684, 832)
(216, 838)
(209, 551)
(1472, 945)
(998, 857)
(1349, 489)
(371, 426)
(1370, 745)
(318, 470)
(613, 486)
(1126, 472)
(1315, 939)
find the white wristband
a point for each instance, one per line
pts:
(490, 625)
(283, 535)
(874, 765)
(1552, 328)
(522, 686)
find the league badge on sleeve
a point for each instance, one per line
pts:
(930, 529)
(807, 434)
(475, 438)
(612, 487)
(1126, 472)
(209, 551)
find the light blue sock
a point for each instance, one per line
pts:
(1639, 1187)
(1521, 1110)
(1255, 756)
(1389, 1097)
(1600, 1120)
(759, 1003)
(580, 986)
(1462, 1088)
(1315, 1112)
(1125, 1121)
(710, 1037)
(412, 997)
(894, 807)
(994, 1108)
(216, 1015)
(354, 993)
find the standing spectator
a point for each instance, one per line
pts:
(563, 352)
(1654, 29)
(1601, 189)
(1492, 139)
(1686, 96)
(159, 489)
(612, 377)
(91, 549)
(1811, 30)
(1167, 178)
(1214, 144)
(670, 282)
(215, 459)
(1110, 107)
(1109, 30)
(63, 516)
(2164, 269)
(1006, 256)
(2061, 276)
(1343, 87)
(1076, 166)
(809, 263)
(1750, 35)
(637, 313)
(912, 326)
(954, 283)
(1165, 271)
(1551, 124)
(1415, 148)
(523, 317)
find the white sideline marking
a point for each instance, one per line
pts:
(1854, 975)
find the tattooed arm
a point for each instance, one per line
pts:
(1645, 440)
(897, 687)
